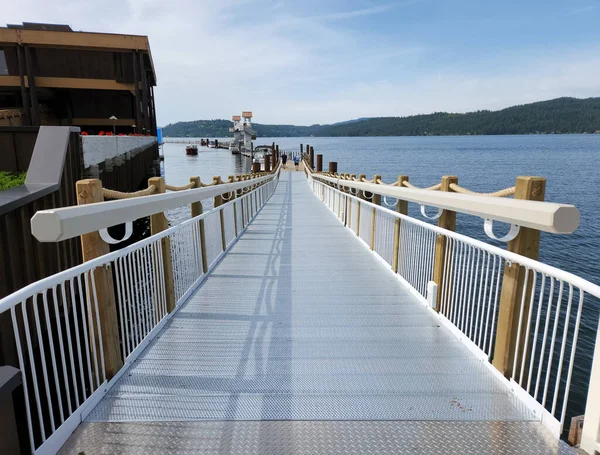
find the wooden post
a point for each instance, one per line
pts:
(376, 199)
(92, 246)
(333, 167)
(24, 92)
(35, 106)
(159, 223)
(527, 243)
(218, 202)
(301, 151)
(401, 207)
(267, 163)
(320, 163)
(361, 195)
(197, 211)
(447, 220)
(255, 168)
(312, 158)
(136, 92)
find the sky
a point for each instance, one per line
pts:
(324, 61)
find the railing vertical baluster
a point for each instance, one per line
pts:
(92, 246)
(447, 220)
(527, 243)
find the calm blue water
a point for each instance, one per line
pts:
(482, 163)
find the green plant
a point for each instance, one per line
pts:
(11, 179)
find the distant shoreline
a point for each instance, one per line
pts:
(558, 116)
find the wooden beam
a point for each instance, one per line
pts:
(67, 82)
(92, 247)
(80, 83)
(447, 220)
(514, 294)
(159, 223)
(47, 38)
(102, 122)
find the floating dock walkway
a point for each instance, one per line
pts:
(300, 315)
(301, 341)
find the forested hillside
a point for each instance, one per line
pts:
(561, 115)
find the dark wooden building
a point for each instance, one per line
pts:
(52, 75)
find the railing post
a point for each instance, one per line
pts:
(159, 223)
(526, 243)
(376, 199)
(361, 195)
(197, 211)
(401, 207)
(92, 246)
(447, 220)
(218, 202)
(590, 436)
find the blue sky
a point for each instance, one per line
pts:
(322, 61)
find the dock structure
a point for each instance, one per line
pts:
(302, 316)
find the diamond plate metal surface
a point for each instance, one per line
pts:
(299, 322)
(317, 437)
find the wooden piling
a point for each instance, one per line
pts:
(320, 163)
(92, 246)
(255, 168)
(218, 202)
(312, 157)
(376, 199)
(360, 195)
(401, 207)
(159, 223)
(527, 243)
(447, 220)
(333, 167)
(267, 163)
(197, 210)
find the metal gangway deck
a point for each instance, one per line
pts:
(292, 333)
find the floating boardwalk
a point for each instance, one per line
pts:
(299, 322)
(300, 315)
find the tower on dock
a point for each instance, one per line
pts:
(243, 134)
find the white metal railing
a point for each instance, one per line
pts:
(551, 302)
(542, 216)
(56, 322)
(64, 223)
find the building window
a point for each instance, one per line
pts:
(3, 67)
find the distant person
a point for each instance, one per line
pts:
(284, 159)
(296, 161)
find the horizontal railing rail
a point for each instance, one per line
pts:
(468, 296)
(65, 223)
(60, 328)
(542, 216)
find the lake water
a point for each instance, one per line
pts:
(571, 164)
